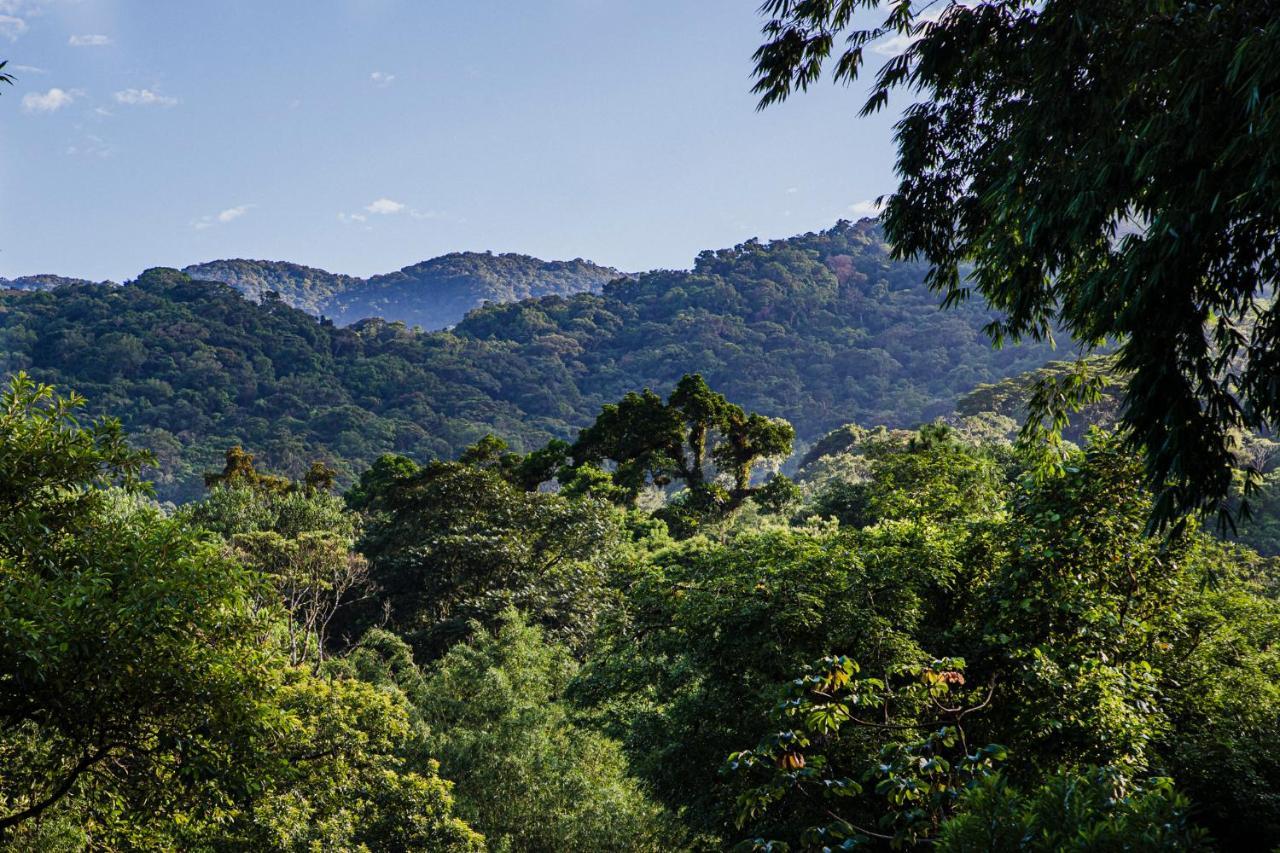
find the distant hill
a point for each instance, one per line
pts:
(434, 294)
(822, 329)
(302, 287)
(44, 282)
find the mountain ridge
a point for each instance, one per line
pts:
(435, 293)
(822, 329)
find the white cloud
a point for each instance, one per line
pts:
(28, 69)
(893, 45)
(899, 42)
(792, 190)
(385, 207)
(14, 15)
(91, 146)
(11, 27)
(870, 207)
(94, 40)
(223, 217)
(144, 97)
(382, 78)
(390, 207)
(51, 101)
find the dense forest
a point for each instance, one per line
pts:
(434, 294)
(628, 642)
(768, 555)
(822, 329)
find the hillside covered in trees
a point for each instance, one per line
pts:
(433, 294)
(821, 329)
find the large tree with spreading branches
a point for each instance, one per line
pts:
(1106, 170)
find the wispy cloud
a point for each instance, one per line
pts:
(14, 15)
(28, 69)
(47, 102)
(89, 40)
(388, 207)
(12, 26)
(869, 207)
(91, 146)
(385, 207)
(893, 45)
(222, 217)
(899, 42)
(382, 78)
(144, 98)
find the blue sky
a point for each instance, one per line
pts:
(364, 135)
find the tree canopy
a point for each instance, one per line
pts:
(1100, 168)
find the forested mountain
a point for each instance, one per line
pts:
(822, 329)
(302, 287)
(42, 282)
(433, 294)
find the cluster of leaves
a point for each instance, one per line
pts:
(921, 779)
(821, 329)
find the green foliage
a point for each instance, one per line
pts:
(713, 629)
(1093, 809)
(144, 703)
(451, 543)
(1012, 397)
(649, 443)
(529, 777)
(336, 777)
(1104, 168)
(547, 670)
(127, 640)
(923, 768)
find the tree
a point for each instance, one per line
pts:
(130, 660)
(299, 536)
(240, 471)
(343, 772)
(650, 442)
(451, 543)
(529, 777)
(315, 575)
(144, 701)
(711, 634)
(1106, 168)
